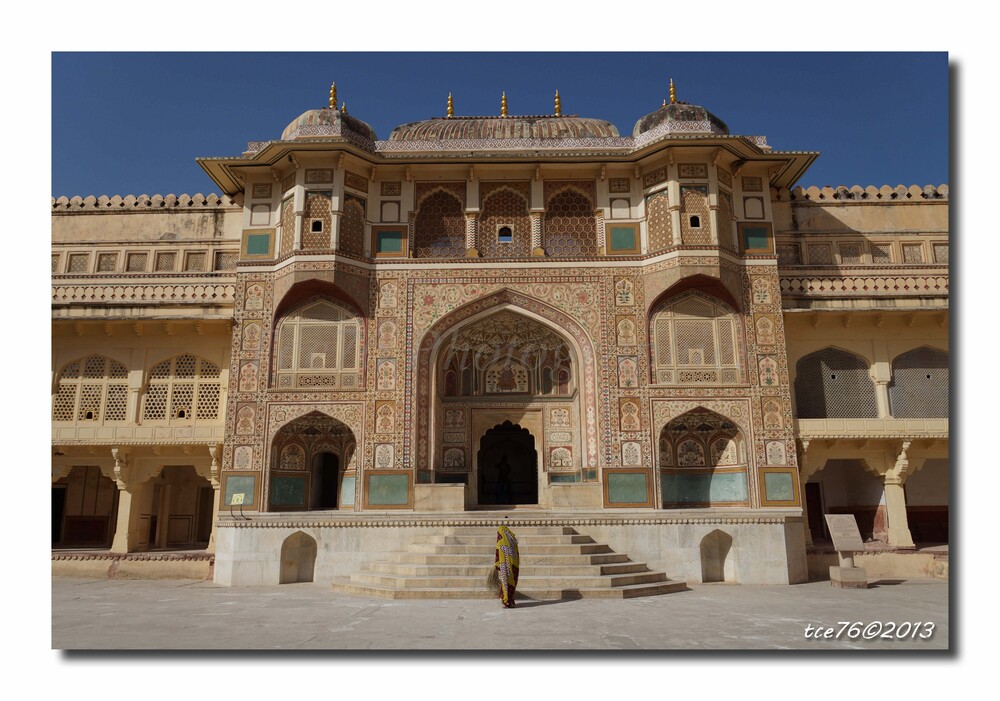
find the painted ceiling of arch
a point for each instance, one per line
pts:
(504, 330)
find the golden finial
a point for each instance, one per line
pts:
(558, 105)
(664, 102)
(503, 105)
(343, 108)
(333, 96)
(451, 106)
(673, 92)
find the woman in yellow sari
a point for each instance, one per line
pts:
(507, 563)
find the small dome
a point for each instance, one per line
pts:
(326, 122)
(681, 117)
(525, 127)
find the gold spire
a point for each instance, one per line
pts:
(673, 92)
(333, 96)
(558, 105)
(451, 106)
(503, 105)
(343, 107)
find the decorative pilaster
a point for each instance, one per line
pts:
(537, 243)
(882, 398)
(472, 234)
(125, 537)
(713, 218)
(216, 481)
(895, 501)
(601, 234)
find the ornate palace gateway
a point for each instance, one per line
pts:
(365, 347)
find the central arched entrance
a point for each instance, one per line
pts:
(310, 463)
(507, 466)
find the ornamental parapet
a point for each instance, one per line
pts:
(841, 193)
(152, 293)
(132, 434)
(117, 203)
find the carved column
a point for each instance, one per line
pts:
(713, 218)
(472, 234)
(337, 208)
(537, 243)
(216, 481)
(125, 536)
(895, 501)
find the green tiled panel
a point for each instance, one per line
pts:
(623, 238)
(755, 237)
(389, 490)
(240, 484)
(627, 488)
(778, 486)
(347, 491)
(700, 489)
(389, 242)
(557, 479)
(258, 244)
(288, 490)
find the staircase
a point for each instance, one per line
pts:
(556, 563)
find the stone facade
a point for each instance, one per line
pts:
(658, 336)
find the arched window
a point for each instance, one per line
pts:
(693, 339)
(439, 227)
(919, 386)
(570, 226)
(702, 461)
(319, 345)
(834, 384)
(183, 389)
(94, 389)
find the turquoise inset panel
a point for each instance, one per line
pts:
(563, 478)
(347, 491)
(623, 238)
(240, 484)
(389, 490)
(755, 238)
(258, 244)
(288, 490)
(389, 241)
(627, 488)
(702, 489)
(778, 486)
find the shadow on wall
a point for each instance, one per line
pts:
(715, 548)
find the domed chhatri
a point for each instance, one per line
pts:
(328, 121)
(680, 117)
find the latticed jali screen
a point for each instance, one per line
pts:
(570, 227)
(919, 385)
(316, 222)
(659, 222)
(439, 227)
(502, 207)
(694, 341)
(833, 384)
(184, 388)
(352, 226)
(92, 389)
(319, 346)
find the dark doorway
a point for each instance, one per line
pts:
(814, 505)
(326, 473)
(58, 509)
(507, 466)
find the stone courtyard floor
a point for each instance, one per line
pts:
(195, 615)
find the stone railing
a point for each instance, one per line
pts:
(864, 284)
(130, 202)
(153, 293)
(886, 193)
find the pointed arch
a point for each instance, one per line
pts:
(834, 384)
(92, 389)
(703, 461)
(420, 412)
(919, 385)
(318, 343)
(439, 224)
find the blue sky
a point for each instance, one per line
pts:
(876, 118)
